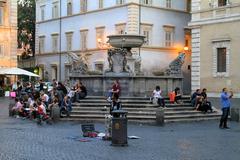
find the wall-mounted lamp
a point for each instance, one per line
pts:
(186, 48)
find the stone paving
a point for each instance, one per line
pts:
(25, 140)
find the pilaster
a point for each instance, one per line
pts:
(195, 58)
(133, 19)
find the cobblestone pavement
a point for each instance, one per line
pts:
(25, 140)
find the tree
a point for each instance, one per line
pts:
(26, 26)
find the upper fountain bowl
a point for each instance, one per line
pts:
(126, 41)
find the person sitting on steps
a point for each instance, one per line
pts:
(178, 96)
(157, 96)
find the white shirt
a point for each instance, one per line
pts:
(157, 94)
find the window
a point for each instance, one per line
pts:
(1, 15)
(41, 44)
(147, 36)
(146, 30)
(55, 10)
(169, 3)
(69, 8)
(69, 41)
(42, 8)
(54, 42)
(188, 7)
(120, 2)
(100, 5)
(222, 3)
(83, 4)
(147, 2)
(120, 28)
(83, 34)
(221, 59)
(100, 36)
(169, 35)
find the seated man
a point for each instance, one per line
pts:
(195, 97)
(115, 104)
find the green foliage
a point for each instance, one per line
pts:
(26, 25)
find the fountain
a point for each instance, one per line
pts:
(121, 62)
(122, 65)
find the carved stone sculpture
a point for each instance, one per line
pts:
(78, 64)
(116, 58)
(175, 67)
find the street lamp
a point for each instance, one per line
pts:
(60, 40)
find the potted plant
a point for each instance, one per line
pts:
(7, 91)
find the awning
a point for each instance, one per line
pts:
(16, 71)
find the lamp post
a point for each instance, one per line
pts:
(60, 39)
(139, 28)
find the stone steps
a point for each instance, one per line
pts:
(133, 108)
(184, 97)
(147, 101)
(129, 105)
(139, 109)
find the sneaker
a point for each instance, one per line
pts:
(226, 127)
(109, 99)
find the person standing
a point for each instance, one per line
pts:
(225, 103)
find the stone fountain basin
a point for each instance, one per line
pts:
(126, 41)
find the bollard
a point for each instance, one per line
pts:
(10, 112)
(235, 113)
(160, 116)
(55, 113)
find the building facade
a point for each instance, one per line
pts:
(8, 33)
(82, 27)
(215, 45)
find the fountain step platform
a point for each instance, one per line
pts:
(139, 111)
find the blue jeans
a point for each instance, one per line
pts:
(224, 117)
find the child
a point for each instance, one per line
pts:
(18, 108)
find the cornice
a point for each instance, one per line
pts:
(113, 7)
(217, 8)
(215, 20)
(105, 49)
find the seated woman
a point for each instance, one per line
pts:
(201, 105)
(157, 95)
(67, 106)
(178, 96)
(81, 91)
